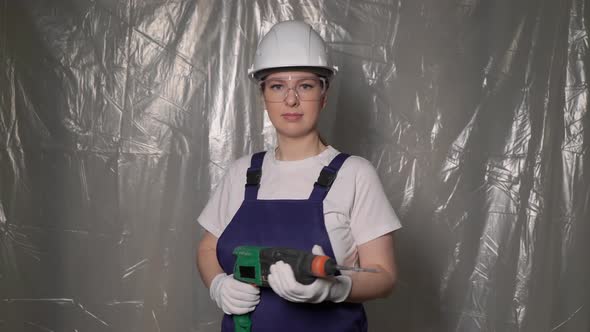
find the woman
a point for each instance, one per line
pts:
(304, 195)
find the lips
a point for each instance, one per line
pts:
(292, 117)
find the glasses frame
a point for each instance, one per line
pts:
(323, 81)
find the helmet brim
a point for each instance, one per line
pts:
(325, 72)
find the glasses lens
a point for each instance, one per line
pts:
(275, 90)
(306, 89)
(310, 89)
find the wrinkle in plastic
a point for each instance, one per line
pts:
(118, 118)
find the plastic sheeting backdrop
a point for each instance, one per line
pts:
(119, 117)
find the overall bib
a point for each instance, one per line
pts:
(291, 223)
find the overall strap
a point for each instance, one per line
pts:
(327, 177)
(253, 176)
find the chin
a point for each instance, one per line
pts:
(293, 134)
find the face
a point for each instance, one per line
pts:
(293, 101)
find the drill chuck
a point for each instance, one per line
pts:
(323, 266)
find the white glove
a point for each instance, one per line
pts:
(233, 296)
(282, 281)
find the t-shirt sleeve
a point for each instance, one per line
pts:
(215, 214)
(372, 215)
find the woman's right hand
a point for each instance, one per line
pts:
(232, 296)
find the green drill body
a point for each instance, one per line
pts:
(253, 266)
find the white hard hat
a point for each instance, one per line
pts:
(291, 44)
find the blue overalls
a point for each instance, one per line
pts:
(289, 223)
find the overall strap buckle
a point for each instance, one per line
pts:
(326, 178)
(253, 177)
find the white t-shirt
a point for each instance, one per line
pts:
(356, 209)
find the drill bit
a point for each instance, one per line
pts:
(356, 269)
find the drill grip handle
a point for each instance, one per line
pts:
(242, 323)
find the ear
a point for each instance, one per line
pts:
(324, 101)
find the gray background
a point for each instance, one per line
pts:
(118, 118)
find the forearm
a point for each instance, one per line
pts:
(207, 262)
(377, 254)
(369, 286)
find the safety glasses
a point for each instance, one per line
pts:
(276, 89)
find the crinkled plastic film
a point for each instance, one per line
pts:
(118, 118)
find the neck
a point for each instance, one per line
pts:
(290, 149)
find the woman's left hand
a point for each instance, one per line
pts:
(282, 280)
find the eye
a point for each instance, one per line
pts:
(276, 86)
(307, 85)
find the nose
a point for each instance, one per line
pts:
(291, 99)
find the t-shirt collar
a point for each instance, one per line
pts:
(324, 158)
